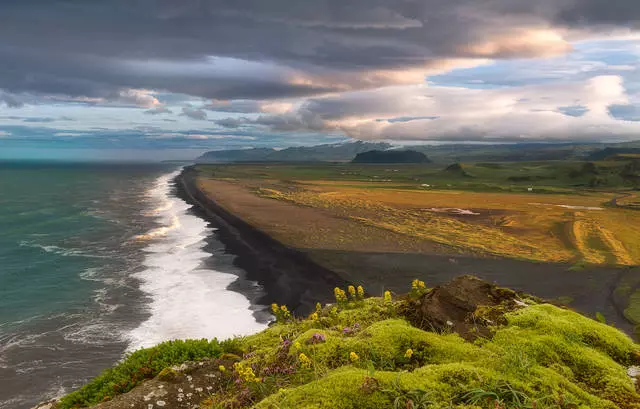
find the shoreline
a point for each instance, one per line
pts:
(287, 276)
(268, 261)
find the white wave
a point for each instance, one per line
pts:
(187, 301)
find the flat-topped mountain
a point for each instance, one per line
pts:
(391, 156)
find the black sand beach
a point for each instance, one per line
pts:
(287, 276)
(300, 278)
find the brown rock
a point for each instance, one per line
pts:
(466, 305)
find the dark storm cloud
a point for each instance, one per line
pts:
(97, 49)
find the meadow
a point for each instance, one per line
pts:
(567, 212)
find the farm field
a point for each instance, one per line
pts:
(542, 211)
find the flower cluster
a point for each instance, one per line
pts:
(221, 368)
(245, 372)
(304, 360)
(278, 370)
(341, 296)
(351, 330)
(355, 294)
(281, 313)
(409, 353)
(387, 298)
(316, 338)
(418, 288)
(353, 357)
(313, 316)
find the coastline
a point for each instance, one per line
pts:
(287, 276)
(299, 278)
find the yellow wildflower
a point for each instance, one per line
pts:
(274, 308)
(221, 368)
(245, 372)
(305, 362)
(409, 353)
(387, 297)
(297, 345)
(318, 307)
(352, 291)
(313, 316)
(353, 357)
(418, 285)
(360, 292)
(340, 295)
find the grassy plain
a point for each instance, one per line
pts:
(564, 212)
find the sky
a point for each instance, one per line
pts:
(169, 79)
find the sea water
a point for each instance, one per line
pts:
(97, 260)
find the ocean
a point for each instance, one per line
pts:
(100, 259)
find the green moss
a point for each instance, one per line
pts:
(543, 354)
(168, 375)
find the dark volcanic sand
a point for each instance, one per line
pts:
(286, 275)
(591, 289)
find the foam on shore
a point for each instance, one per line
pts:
(186, 300)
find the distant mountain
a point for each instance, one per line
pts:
(236, 155)
(611, 152)
(440, 154)
(521, 152)
(322, 153)
(392, 156)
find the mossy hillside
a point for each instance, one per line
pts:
(554, 357)
(361, 353)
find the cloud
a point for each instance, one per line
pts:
(96, 51)
(9, 100)
(194, 113)
(248, 106)
(571, 111)
(136, 97)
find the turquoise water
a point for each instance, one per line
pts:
(67, 256)
(97, 260)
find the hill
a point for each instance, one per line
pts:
(609, 152)
(441, 154)
(391, 156)
(320, 153)
(466, 344)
